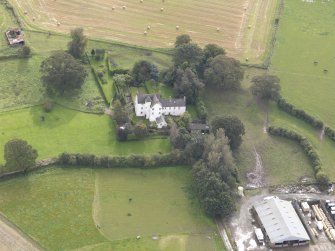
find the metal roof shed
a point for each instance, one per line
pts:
(281, 222)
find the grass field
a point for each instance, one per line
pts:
(307, 35)
(71, 131)
(57, 207)
(244, 25)
(253, 115)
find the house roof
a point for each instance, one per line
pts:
(197, 126)
(142, 98)
(156, 98)
(160, 119)
(173, 102)
(280, 221)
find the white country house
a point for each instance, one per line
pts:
(154, 108)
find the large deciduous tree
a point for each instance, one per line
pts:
(144, 71)
(266, 87)
(187, 84)
(19, 155)
(188, 55)
(233, 127)
(182, 39)
(78, 43)
(215, 176)
(223, 72)
(62, 73)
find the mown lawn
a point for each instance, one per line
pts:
(58, 208)
(253, 115)
(71, 131)
(307, 35)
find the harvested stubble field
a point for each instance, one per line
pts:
(241, 26)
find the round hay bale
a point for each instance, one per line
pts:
(58, 23)
(177, 27)
(218, 29)
(34, 18)
(25, 12)
(145, 33)
(113, 8)
(247, 59)
(148, 27)
(249, 26)
(162, 9)
(141, 1)
(123, 7)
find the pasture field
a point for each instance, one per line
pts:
(244, 25)
(271, 150)
(61, 208)
(67, 130)
(307, 35)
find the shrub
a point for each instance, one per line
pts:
(201, 109)
(323, 180)
(330, 133)
(48, 105)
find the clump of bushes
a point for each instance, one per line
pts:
(321, 177)
(201, 109)
(141, 161)
(330, 133)
(300, 114)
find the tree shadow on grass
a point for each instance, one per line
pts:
(55, 118)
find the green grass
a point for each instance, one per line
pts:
(71, 131)
(58, 208)
(253, 115)
(307, 34)
(160, 88)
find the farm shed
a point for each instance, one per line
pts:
(281, 223)
(198, 127)
(14, 36)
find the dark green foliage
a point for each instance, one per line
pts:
(24, 51)
(187, 84)
(61, 73)
(19, 155)
(330, 133)
(121, 134)
(233, 127)
(213, 50)
(188, 55)
(141, 161)
(179, 137)
(182, 39)
(78, 43)
(266, 87)
(215, 176)
(183, 120)
(223, 72)
(140, 130)
(201, 109)
(48, 105)
(120, 114)
(144, 71)
(300, 114)
(92, 52)
(312, 154)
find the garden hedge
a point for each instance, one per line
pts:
(300, 114)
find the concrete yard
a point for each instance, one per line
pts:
(241, 225)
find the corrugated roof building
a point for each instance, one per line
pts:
(281, 223)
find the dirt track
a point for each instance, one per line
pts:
(12, 239)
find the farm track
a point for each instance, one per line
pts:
(13, 239)
(198, 18)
